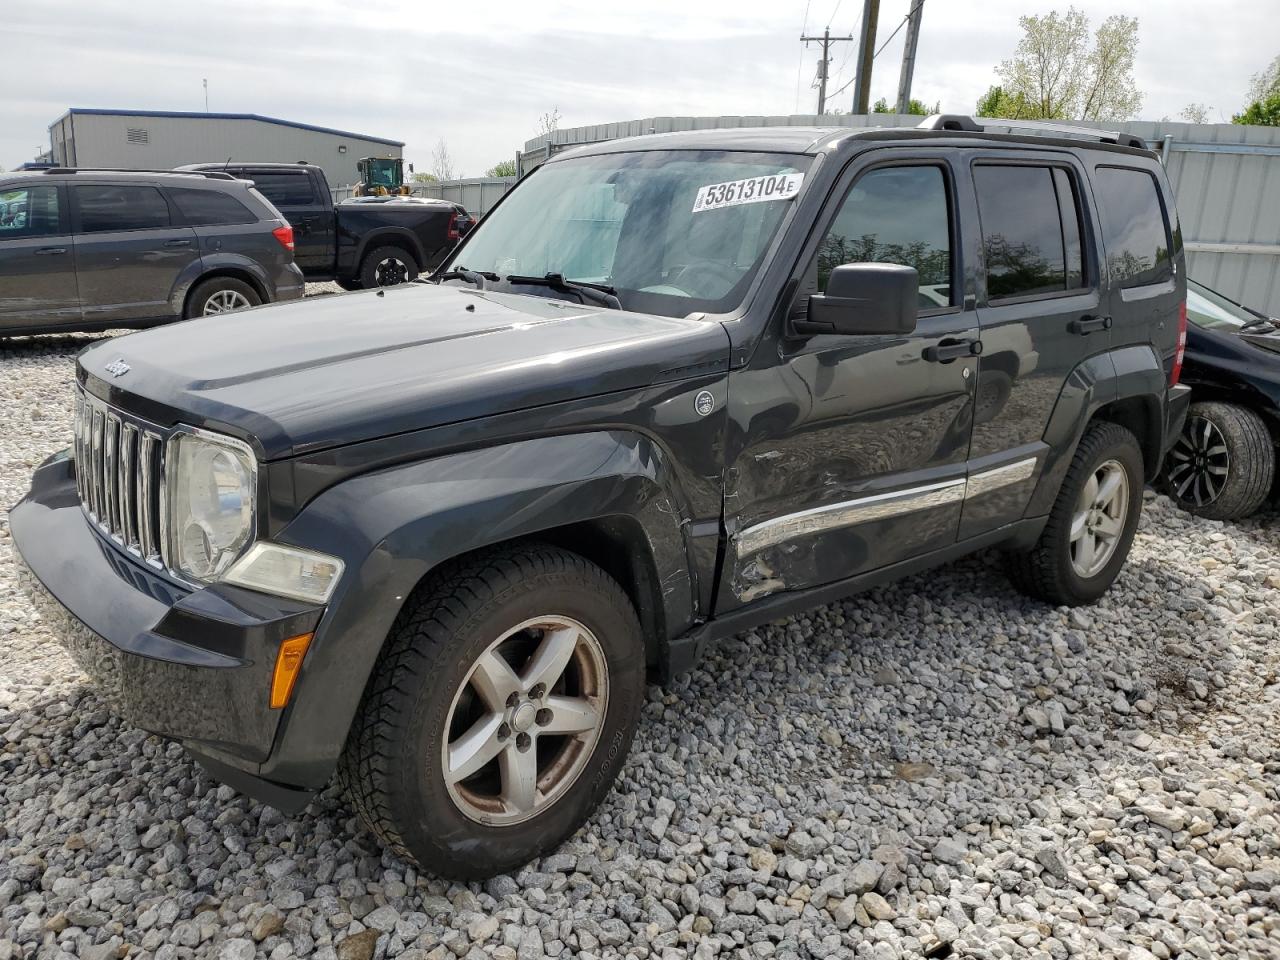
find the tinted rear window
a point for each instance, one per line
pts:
(202, 208)
(283, 189)
(1134, 228)
(106, 207)
(1030, 230)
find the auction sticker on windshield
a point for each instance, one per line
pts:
(778, 186)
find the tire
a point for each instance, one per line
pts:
(1056, 569)
(424, 694)
(220, 295)
(387, 266)
(349, 285)
(1224, 462)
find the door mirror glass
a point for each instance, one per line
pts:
(864, 298)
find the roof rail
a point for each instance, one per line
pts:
(954, 121)
(208, 174)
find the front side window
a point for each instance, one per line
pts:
(671, 232)
(895, 215)
(283, 189)
(108, 207)
(202, 208)
(1030, 230)
(1134, 228)
(29, 212)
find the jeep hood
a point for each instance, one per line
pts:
(299, 377)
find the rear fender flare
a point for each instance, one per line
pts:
(218, 263)
(391, 528)
(392, 236)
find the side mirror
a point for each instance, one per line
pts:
(864, 298)
(411, 168)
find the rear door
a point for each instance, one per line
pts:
(129, 252)
(1041, 313)
(293, 193)
(37, 259)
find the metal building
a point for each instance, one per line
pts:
(1226, 178)
(141, 139)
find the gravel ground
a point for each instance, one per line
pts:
(936, 768)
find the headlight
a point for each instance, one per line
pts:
(212, 491)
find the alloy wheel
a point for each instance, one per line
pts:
(1099, 518)
(390, 271)
(523, 724)
(1199, 463)
(225, 301)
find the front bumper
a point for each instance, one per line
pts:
(192, 665)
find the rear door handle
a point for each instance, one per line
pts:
(50, 251)
(1087, 325)
(952, 350)
(177, 243)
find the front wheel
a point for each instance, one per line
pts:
(499, 713)
(1224, 462)
(1092, 524)
(386, 267)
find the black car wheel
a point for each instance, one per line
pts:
(499, 713)
(1092, 523)
(1224, 462)
(386, 267)
(220, 295)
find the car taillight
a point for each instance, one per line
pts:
(285, 236)
(1176, 374)
(454, 233)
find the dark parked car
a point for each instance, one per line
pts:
(99, 249)
(358, 244)
(1224, 464)
(670, 388)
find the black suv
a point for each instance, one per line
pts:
(99, 249)
(435, 537)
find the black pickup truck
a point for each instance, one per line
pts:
(674, 387)
(359, 245)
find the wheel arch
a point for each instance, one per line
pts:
(236, 273)
(608, 496)
(401, 237)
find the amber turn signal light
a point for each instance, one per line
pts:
(288, 663)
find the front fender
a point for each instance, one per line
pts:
(392, 527)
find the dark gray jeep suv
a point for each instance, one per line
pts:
(434, 537)
(99, 249)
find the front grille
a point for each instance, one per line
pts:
(120, 477)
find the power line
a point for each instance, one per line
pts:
(800, 65)
(910, 13)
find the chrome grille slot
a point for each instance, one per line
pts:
(120, 476)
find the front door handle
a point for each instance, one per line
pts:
(1087, 325)
(177, 243)
(949, 350)
(50, 251)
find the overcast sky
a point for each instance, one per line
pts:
(481, 74)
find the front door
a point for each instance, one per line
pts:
(1042, 315)
(128, 254)
(847, 453)
(37, 260)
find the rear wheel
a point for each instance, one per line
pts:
(386, 267)
(1224, 462)
(499, 713)
(1092, 523)
(220, 295)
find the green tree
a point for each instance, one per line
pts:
(1195, 113)
(1060, 73)
(424, 178)
(998, 102)
(504, 168)
(914, 107)
(1261, 113)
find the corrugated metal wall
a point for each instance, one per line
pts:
(1226, 178)
(104, 141)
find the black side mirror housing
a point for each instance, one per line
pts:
(863, 298)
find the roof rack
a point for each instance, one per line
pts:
(209, 174)
(956, 121)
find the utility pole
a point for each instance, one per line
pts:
(206, 94)
(866, 54)
(909, 57)
(824, 64)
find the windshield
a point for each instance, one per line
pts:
(670, 232)
(1210, 309)
(382, 173)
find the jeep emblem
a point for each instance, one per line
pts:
(117, 367)
(704, 402)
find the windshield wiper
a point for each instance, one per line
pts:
(598, 293)
(1260, 322)
(477, 277)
